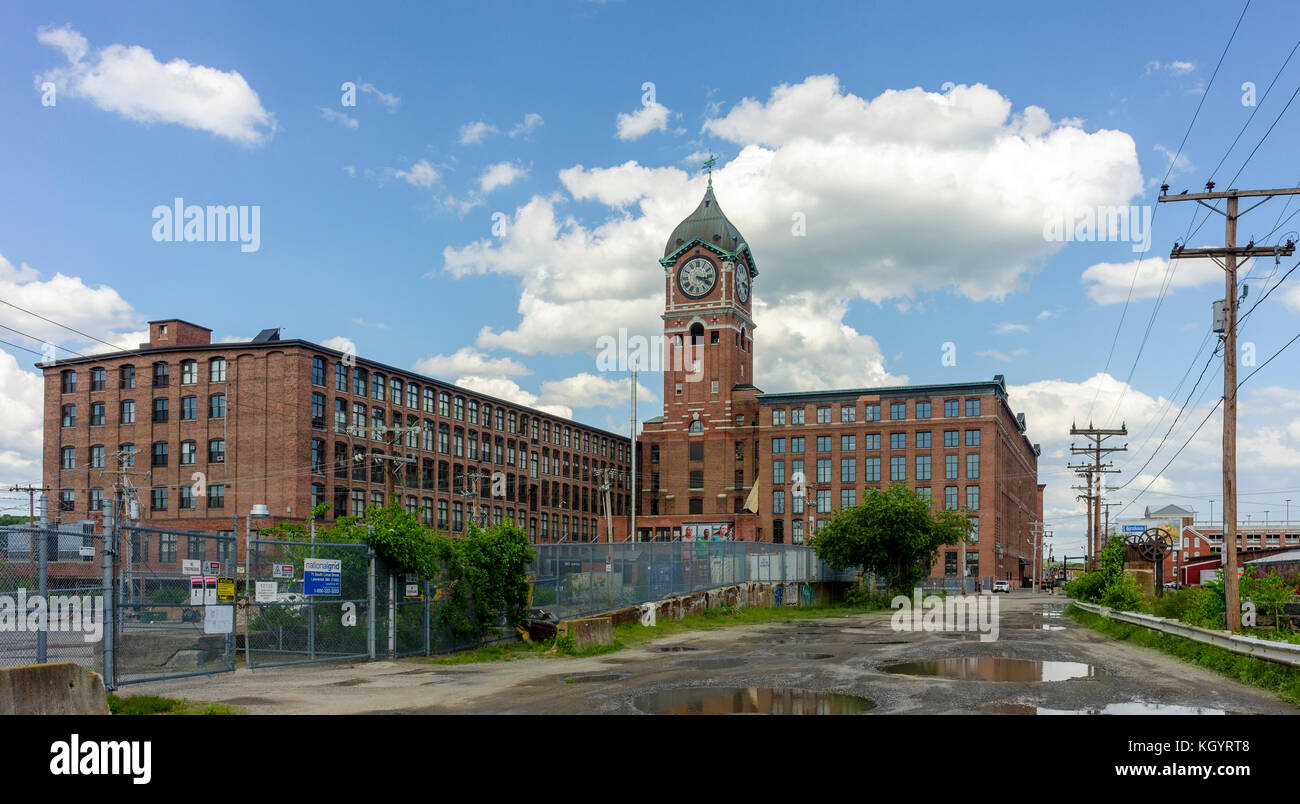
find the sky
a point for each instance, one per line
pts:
(480, 191)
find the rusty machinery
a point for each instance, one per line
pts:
(1154, 545)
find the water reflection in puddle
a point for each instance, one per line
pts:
(593, 678)
(751, 701)
(675, 648)
(1122, 708)
(993, 668)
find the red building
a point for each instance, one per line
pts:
(727, 459)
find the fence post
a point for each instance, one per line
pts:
(108, 548)
(370, 602)
(392, 614)
(42, 585)
(428, 640)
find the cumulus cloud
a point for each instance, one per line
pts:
(130, 81)
(22, 394)
(1001, 356)
(340, 343)
(1006, 329)
(509, 390)
(474, 133)
(334, 115)
(421, 174)
(470, 361)
(652, 116)
(501, 174)
(1175, 68)
(531, 121)
(387, 100)
(1108, 282)
(592, 390)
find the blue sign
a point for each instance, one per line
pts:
(322, 576)
(1135, 528)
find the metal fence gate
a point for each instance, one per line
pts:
(163, 629)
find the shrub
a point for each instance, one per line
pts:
(1180, 605)
(1087, 587)
(1122, 593)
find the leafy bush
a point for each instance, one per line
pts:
(1180, 605)
(1086, 587)
(1122, 594)
(861, 597)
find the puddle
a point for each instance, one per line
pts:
(351, 682)
(1123, 708)
(811, 656)
(713, 664)
(751, 701)
(993, 668)
(885, 642)
(443, 678)
(594, 678)
(675, 648)
(247, 701)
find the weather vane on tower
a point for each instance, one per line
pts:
(708, 165)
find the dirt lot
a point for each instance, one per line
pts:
(1083, 671)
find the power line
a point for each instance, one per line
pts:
(64, 326)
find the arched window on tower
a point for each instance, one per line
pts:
(697, 426)
(697, 334)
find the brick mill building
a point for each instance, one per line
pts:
(725, 459)
(204, 431)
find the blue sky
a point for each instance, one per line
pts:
(923, 203)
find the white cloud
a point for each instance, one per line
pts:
(341, 118)
(1108, 282)
(470, 361)
(128, 80)
(1291, 298)
(650, 117)
(501, 174)
(509, 390)
(1001, 356)
(98, 311)
(340, 343)
(592, 390)
(531, 121)
(1005, 329)
(421, 174)
(1044, 315)
(473, 133)
(390, 102)
(22, 396)
(1174, 68)
(1175, 163)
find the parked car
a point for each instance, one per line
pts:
(1002, 586)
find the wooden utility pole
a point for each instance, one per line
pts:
(391, 437)
(1229, 255)
(1097, 435)
(31, 492)
(1085, 473)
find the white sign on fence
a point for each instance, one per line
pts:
(267, 591)
(219, 619)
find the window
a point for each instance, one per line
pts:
(696, 479)
(922, 467)
(848, 443)
(189, 408)
(848, 470)
(217, 370)
(778, 502)
(68, 381)
(897, 468)
(848, 413)
(871, 470)
(67, 501)
(951, 438)
(186, 501)
(696, 506)
(778, 472)
(98, 379)
(924, 493)
(923, 440)
(848, 498)
(340, 384)
(922, 410)
(778, 446)
(318, 371)
(96, 413)
(395, 393)
(340, 416)
(897, 410)
(427, 405)
(972, 498)
(97, 457)
(974, 528)
(697, 426)
(126, 378)
(217, 406)
(950, 467)
(318, 411)
(68, 458)
(972, 438)
(189, 372)
(160, 410)
(161, 375)
(796, 531)
(69, 418)
(159, 454)
(898, 440)
(128, 450)
(823, 443)
(158, 498)
(359, 378)
(317, 456)
(778, 418)
(189, 453)
(127, 414)
(872, 412)
(950, 409)
(167, 542)
(972, 407)
(950, 498)
(458, 408)
(97, 499)
(796, 444)
(823, 470)
(377, 382)
(823, 414)
(972, 466)
(444, 405)
(796, 415)
(412, 396)
(217, 450)
(871, 441)
(823, 501)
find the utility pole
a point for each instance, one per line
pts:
(391, 437)
(1229, 254)
(1036, 540)
(31, 492)
(1097, 435)
(1106, 529)
(1085, 473)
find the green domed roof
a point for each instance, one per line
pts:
(708, 225)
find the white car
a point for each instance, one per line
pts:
(1002, 586)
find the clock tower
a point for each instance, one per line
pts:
(699, 460)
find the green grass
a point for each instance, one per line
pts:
(1277, 678)
(157, 705)
(636, 634)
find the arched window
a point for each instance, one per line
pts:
(697, 426)
(697, 334)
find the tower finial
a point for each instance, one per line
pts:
(708, 165)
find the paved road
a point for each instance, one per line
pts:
(842, 654)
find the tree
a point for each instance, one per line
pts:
(1271, 592)
(892, 533)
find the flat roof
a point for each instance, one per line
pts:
(890, 390)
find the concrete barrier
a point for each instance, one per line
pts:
(588, 631)
(60, 688)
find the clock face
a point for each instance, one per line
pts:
(742, 282)
(697, 278)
